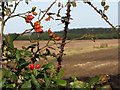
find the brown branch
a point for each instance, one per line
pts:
(59, 59)
(2, 25)
(16, 4)
(48, 10)
(102, 16)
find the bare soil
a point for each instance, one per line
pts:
(92, 64)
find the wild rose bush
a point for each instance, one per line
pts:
(18, 66)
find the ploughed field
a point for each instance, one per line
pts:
(88, 59)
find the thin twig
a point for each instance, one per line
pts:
(48, 10)
(39, 14)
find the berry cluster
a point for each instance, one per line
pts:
(37, 27)
(28, 18)
(52, 35)
(31, 66)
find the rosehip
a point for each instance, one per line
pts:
(57, 38)
(37, 23)
(37, 26)
(49, 31)
(34, 13)
(27, 20)
(37, 66)
(30, 17)
(39, 30)
(52, 35)
(31, 66)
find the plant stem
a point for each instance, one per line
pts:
(59, 59)
(2, 26)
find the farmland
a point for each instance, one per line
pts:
(86, 57)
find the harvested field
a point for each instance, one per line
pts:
(91, 63)
(77, 46)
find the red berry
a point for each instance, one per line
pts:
(37, 26)
(30, 17)
(39, 30)
(27, 20)
(52, 35)
(32, 66)
(29, 67)
(37, 66)
(34, 13)
(57, 38)
(49, 31)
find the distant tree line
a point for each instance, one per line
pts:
(100, 33)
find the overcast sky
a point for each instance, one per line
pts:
(83, 16)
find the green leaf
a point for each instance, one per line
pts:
(60, 82)
(9, 73)
(47, 82)
(48, 66)
(23, 65)
(13, 77)
(9, 86)
(36, 72)
(73, 4)
(74, 77)
(18, 55)
(106, 7)
(27, 84)
(68, 4)
(3, 72)
(10, 41)
(93, 81)
(2, 82)
(35, 81)
(60, 74)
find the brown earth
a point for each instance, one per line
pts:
(91, 63)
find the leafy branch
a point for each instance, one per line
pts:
(102, 15)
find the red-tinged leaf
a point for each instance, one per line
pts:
(106, 7)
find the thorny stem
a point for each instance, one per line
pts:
(48, 10)
(102, 16)
(59, 59)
